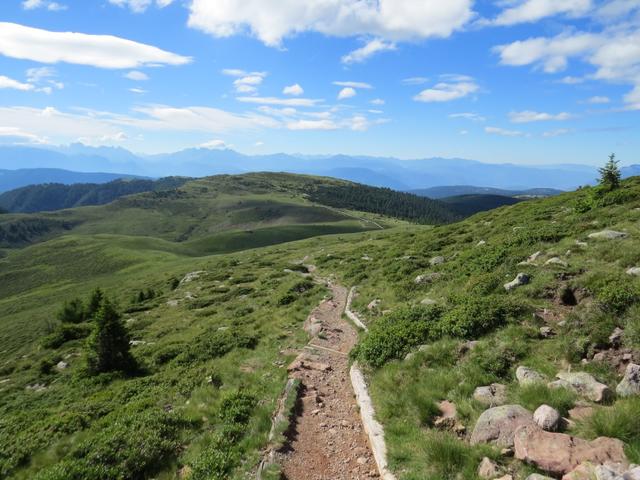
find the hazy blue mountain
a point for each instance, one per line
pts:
(377, 171)
(12, 179)
(463, 190)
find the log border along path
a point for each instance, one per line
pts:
(326, 438)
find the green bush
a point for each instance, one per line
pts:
(473, 316)
(615, 295)
(394, 335)
(65, 333)
(72, 312)
(236, 407)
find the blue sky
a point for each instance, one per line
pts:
(521, 81)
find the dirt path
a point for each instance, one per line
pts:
(326, 439)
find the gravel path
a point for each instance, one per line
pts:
(326, 439)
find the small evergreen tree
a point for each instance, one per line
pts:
(109, 343)
(72, 312)
(610, 175)
(94, 304)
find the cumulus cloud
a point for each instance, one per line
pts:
(287, 102)
(245, 82)
(347, 92)
(377, 45)
(273, 20)
(529, 116)
(598, 100)
(312, 125)
(503, 132)
(527, 11)
(474, 117)
(459, 86)
(136, 75)
(6, 82)
(139, 6)
(103, 51)
(35, 4)
(362, 85)
(295, 90)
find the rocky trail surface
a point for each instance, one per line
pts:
(326, 439)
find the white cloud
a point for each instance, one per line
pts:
(459, 87)
(556, 133)
(273, 20)
(245, 82)
(36, 75)
(103, 51)
(287, 102)
(474, 117)
(373, 47)
(139, 6)
(598, 100)
(35, 4)
(234, 72)
(529, 116)
(139, 91)
(527, 11)
(415, 81)
(569, 80)
(615, 54)
(14, 135)
(362, 85)
(136, 75)
(633, 98)
(295, 90)
(312, 125)
(6, 82)
(377, 101)
(502, 132)
(347, 92)
(214, 144)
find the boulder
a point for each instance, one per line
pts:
(546, 332)
(427, 278)
(374, 304)
(499, 424)
(492, 395)
(556, 261)
(547, 418)
(62, 365)
(615, 339)
(607, 235)
(521, 279)
(634, 271)
(488, 469)
(591, 471)
(559, 454)
(528, 376)
(436, 261)
(630, 384)
(537, 476)
(633, 474)
(585, 385)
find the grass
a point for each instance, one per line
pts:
(188, 374)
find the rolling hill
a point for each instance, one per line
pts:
(459, 190)
(213, 334)
(467, 205)
(12, 179)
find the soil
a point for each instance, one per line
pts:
(326, 440)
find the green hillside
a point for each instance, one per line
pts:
(56, 196)
(212, 346)
(467, 205)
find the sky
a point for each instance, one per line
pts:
(518, 81)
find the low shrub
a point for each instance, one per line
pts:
(65, 333)
(473, 316)
(616, 295)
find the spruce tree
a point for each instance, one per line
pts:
(610, 175)
(72, 312)
(109, 343)
(94, 304)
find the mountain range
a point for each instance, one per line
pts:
(375, 171)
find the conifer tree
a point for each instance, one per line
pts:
(610, 175)
(109, 343)
(94, 304)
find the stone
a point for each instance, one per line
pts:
(547, 418)
(633, 474)
(492, 395)
(521, 279)
(505, 477)
(546, 332)
(528, 376)
(428, 301)
(607, 235)
(591, 471)
(374, 304)
(488, 469)
(630, 384)
(467, 347)
(556, 261)
(615, 339)
(537, 476)
(499, 424)
(62, 365)
(559, 453)
(581, 413)
(585, 385)
(634, 271)
(481, 243)
(427, 278)
(436, 261)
